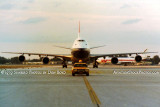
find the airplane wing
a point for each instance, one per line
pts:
(41, 54)
(117, 54)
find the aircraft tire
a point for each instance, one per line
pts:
(87, 74)
(73, 74)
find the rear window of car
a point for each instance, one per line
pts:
(80, 65)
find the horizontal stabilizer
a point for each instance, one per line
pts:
(97, 47)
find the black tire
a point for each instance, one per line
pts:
(87, 74)
(95, 66)
(64, 66)
(73, 74)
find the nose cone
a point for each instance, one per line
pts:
(80, 43)
(81, 53)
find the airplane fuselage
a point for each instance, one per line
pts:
(80, 51)
(80, 54)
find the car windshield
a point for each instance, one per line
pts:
(80, 65)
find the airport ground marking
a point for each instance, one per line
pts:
(92, 93)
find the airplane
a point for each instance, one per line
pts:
(80, 51)
(126, 60)
(121, 60)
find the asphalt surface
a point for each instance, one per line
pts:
(55, 87)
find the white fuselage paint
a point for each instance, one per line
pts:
(80, 43)
(121, 60)
(80, 50)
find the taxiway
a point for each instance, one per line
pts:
(53, 86)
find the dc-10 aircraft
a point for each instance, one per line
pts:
(80, 51)
(126, 60)
(121, 60)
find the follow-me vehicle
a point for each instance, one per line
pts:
(80, 68)
(80, 51)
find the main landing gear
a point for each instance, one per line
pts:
(95, 64)
(64, 64)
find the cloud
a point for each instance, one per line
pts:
(56, 4)
(34, 20)
(15, 4)
(6, 6)
(131, 21)
(125, 6)
(31, 1)
(7, 1)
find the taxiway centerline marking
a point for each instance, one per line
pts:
(92, 93)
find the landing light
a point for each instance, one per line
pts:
(80, 60)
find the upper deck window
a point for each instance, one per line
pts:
(81, 40)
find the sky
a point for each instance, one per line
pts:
(37, 25)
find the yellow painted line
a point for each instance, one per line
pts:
(92, 93)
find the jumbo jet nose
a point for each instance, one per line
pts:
(80, 43)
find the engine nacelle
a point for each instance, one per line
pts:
(45, 60)
(114, 60)
(22, 58)
(138, 58)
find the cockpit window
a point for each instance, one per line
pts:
(81, 40)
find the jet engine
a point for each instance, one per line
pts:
(114, 60)
(45, 60)
(22, 58)
(138, 58)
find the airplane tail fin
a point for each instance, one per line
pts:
(79, 29)
(145, 50)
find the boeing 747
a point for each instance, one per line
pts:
(80, 51)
